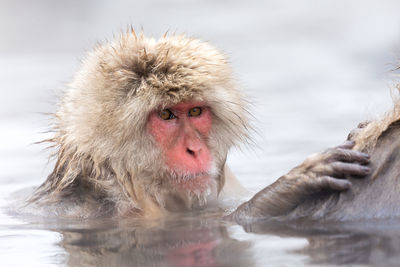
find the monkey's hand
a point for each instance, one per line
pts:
(322, 172)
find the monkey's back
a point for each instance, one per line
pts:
(376, 196)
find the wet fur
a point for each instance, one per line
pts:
(108, 164)
(367, 137)
(298, 196)
(103, 153)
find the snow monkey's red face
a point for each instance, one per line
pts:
(181, 131)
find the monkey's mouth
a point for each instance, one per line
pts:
(191, 176)
(192, 182)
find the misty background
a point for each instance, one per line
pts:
(312, 69)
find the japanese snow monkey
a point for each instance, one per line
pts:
(144, 130)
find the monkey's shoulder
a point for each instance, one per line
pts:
(377, 196)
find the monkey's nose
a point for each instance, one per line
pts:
(193, 152)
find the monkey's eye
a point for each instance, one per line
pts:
(166, 114)
(195, 112)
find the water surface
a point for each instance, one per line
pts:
(312, 71)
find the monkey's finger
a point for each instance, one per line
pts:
(349, 144)
(348, 155)
(333, 183)
(340, 169)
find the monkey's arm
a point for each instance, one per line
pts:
(319, 172)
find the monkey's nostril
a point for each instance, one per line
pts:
(191, 152)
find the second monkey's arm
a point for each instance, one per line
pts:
(324, 171)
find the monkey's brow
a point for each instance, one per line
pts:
(178, 111)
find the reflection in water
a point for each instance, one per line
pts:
(294, 57)
(374, 242)
(206, 240)
(187, 241)
(354, 248)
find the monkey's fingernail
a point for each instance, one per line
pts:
(366, 155)
(348, 184)
(345, 185)
(366, 170)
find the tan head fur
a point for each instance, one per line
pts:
(366, 138)
(99, 128)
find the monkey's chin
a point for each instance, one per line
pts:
(189, 192)
(190, 182)
(201, 184)
(194, 190)
(194, 183)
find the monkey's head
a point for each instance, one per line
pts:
(154, 118)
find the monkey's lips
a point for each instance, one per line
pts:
(192, 182)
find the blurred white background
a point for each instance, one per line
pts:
(313, 69)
